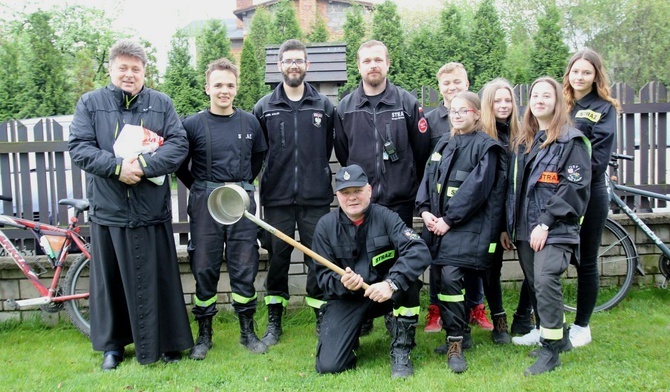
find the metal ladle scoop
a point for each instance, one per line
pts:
(229, 203)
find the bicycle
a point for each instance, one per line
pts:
(56, 243)
(618, 259)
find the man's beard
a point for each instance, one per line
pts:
(376, 82)
(293, 82)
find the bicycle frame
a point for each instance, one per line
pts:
(47, 294)
(631, 214)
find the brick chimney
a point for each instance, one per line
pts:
(244, 3)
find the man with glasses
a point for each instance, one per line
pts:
(296, 183)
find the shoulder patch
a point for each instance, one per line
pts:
(573, 173)
(410, 234)
(423, 125)
(589, 115)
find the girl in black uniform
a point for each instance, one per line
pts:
(593, 111)
(547, 197)
(500, 117)
(460, 195)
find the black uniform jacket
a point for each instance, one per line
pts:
(596, 118)
(381, 247)
(438, 123)
(361, 131)
(99, 118)
(556, 182)
(236, 155)
(464, 184)
(300, 143)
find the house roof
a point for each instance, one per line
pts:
(240, 12)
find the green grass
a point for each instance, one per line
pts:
(629, 352)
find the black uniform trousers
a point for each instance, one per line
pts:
(284, 219)
(543, 271)
(209, 240)
(588, 278)
(451, 299)
(492, 287)
(136, 294)
(341, 326)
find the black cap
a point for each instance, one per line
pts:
(350, 176)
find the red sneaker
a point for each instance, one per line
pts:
(478, 317)
(433, 320)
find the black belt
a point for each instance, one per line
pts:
(213, 185)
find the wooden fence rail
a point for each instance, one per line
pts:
(36, 170)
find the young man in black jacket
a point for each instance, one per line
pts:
(296, 184)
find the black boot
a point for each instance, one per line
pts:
(274, 330)
(319, 318)
(563, 345)
(522, 323)
(455, 357)
(547, 358)
(404, 330)
(499, 335)
(389, 321)
(248, 336)
(204, 341)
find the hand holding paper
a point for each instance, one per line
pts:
(133, 141)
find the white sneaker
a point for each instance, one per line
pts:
(530, 339)
(580, 336)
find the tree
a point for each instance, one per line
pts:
(453, 40)
(285, 23)
(84, 73)
(635, 55)
(488, 46)
(79, 27)
(424, 59)
(10, 88)
(354, 31)
(211, 44)
(250, 86)
(517, 61)
(45, 90)
(180, 77)
(151, 74)
(386, 28)
(550, 53)
(259, 33)
(319, 31)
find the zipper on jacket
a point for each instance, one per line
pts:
(295, 155)
(377, 163)
(282, 135)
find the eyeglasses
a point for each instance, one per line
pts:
(289, 63)
(461, 112)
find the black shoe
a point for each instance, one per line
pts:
(499, 335)
(547, 359)
(522, 324)
(171, 356)
(111, 361)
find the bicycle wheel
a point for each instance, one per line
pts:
(76, 282)
(617, 262)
